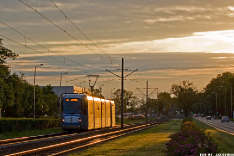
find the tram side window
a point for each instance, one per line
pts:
(61, 103)
(72, 106)
(85, 107)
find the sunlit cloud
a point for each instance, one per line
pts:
(167, 41)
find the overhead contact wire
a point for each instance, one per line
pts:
(82, 32)
(63, 30)
(35, 50)
(47, 48)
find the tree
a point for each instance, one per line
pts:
(50, 101)
(6, 95)
(185, 95)
(16, 110)
(164, 102)
(97, 93)
(6, 88)
(220, 85)
(6, 53)
(128, 98)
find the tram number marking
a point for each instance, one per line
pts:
(71, 119)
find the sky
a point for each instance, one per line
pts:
(168, 41)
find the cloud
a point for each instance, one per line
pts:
(144, 33)
(134, 20)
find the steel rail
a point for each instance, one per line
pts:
(2, 142)
(32, 151)
(13, 141)
(37, 138)
(90, 144)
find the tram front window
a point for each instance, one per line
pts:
(72, 106)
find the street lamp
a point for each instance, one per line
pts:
(231, 100)
(225, 98)
(80, 84)
(69, 81)
(60, 92)
(34, 90)
(216, 99)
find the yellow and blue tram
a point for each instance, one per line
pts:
(83, 112)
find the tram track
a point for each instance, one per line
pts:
(14, 140)
(62, 145)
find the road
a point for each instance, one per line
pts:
(216, 123)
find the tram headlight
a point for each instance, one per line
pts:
(79, 119)
(63, 119)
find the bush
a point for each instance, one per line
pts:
(190, 141)
(27, 124)
(187, 119)
(189, 125)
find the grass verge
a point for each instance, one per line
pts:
(147, 142)
(224, 140)
(128, 121)
(17, 134)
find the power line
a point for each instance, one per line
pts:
(35, 50)
(47, 48)
(64, 30)
(66, 17)
(48, 55)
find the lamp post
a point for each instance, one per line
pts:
(60, 92)
(216, 99)
(231, 100)
(34, 90)
(69, 81)
(80, 84)
(225, 98)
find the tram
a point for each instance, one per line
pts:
(83, 112)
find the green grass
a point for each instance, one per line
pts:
(17, 134)
(224, 140)
(147, 142)
(128, 121)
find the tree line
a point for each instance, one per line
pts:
(185, 98)
(17, 95)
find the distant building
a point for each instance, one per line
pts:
(68, 89)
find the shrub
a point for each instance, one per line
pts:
(187, 119)
(190, 141)
(189, 125)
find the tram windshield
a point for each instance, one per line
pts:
(72, 106)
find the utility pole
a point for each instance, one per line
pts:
(92, 87)
(35, 91)
(122, 87)
(122, 92)
(157, 104)
(147, 88)
(231, 100)
(147, 102)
